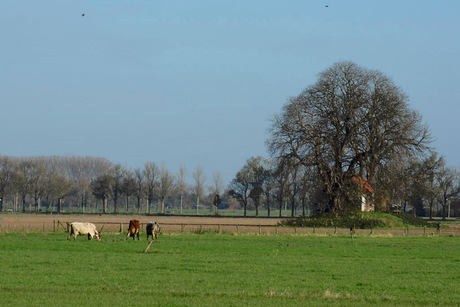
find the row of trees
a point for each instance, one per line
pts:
(44, 183)
(88, 184)
(425, 187)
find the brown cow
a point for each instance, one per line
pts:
(133, 229)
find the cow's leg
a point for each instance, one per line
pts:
(138, 235)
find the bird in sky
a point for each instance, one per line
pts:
(83, 15)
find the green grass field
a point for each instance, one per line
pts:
(229, 270)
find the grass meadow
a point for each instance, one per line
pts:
(211, 269)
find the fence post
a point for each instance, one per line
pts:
(237, 229)
(295, 230)
(314, 229)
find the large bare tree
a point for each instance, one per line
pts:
(350, 122)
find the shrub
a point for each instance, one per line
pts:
(347, 220)
(361, 220)
(414, 220)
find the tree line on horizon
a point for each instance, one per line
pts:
(353, 127)
(93, 184)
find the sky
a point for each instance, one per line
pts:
(196, 83)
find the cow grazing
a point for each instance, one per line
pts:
(133, 229)
(153, 229)
(83, 229)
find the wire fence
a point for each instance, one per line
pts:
(117, 227)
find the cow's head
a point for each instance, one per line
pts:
(98, 236)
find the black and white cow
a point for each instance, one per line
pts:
(152, 229)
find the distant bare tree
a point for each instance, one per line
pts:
(128, 186)
(240, 187)
(151, 174)
(249, 181)
(6, 172)
(181, 184)
(198, 188)
(37, 180)
(101, 189)
(22, 180)
(115, 188)
(166, 184)
(63, 186)
(216, 190)
(139, 192)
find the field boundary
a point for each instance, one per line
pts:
(61, 225)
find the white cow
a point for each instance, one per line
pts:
(152, 229)
(83, 229)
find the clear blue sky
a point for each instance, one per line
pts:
(197, 82)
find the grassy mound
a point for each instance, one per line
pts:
(361, 220)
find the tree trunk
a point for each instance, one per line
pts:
(104, 205)
(268, 205)
(431, 210)
(197, 204)
(303, 206)
(59, 205)
(181, 203)
(23, 204)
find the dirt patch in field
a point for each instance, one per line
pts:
(55, 222)
(176, 224)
